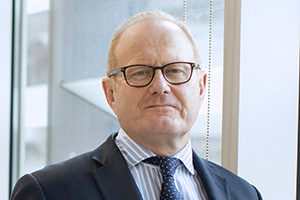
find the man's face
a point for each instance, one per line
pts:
(160, 111)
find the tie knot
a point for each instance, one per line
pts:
(167, 165)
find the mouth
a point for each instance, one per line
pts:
(160, 106)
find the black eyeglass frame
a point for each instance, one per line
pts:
(123, 69)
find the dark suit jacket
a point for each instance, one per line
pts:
(103, 174)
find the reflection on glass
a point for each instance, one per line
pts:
(35, 95)
(197, 21)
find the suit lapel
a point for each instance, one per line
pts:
(113, 177)
(215, 186)
(115, 181)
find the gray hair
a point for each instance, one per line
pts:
(148, 16)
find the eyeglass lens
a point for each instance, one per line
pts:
(142, 75)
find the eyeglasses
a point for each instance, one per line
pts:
(140, 75)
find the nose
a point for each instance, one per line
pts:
(159, 85)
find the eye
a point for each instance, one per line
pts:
(175, 69)
(138, 72)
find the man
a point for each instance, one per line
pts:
(155, 87)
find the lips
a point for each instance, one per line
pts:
(161, 102)
(160, 106)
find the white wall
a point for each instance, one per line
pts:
(5, 78)
(268, 114)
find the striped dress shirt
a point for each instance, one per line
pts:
(148, 177)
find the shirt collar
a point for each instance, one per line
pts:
(135, 153)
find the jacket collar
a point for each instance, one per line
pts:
(113, 177)
(215, 186)
(115, 181)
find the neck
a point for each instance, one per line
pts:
(165, 146)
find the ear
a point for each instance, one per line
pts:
(202, 84)
(107, 85)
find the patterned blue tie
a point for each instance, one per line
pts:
(168, 167)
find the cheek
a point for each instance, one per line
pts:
(127, 103)
(190, 100)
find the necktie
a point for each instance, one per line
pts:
(168, 166)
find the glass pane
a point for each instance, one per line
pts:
(198, 22)
(34, 93)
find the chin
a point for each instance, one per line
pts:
(165, 125)
(164, 120)
(163, 132)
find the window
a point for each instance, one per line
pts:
(63, 109)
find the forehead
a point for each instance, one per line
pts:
(152, 40)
